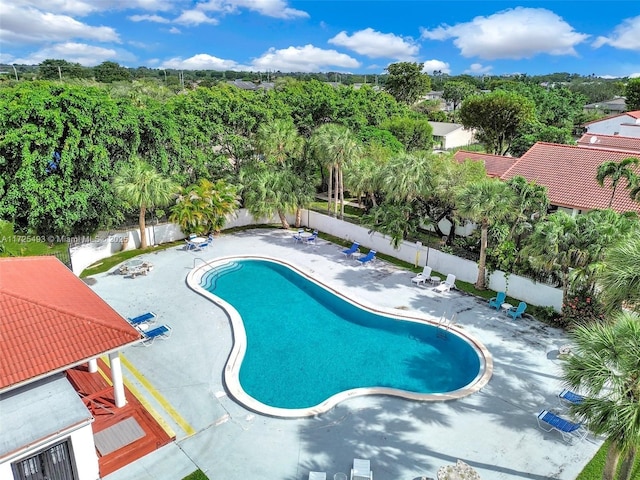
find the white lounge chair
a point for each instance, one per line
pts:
(317, 475)
(361, 470)
(422, 277)
(447, 284)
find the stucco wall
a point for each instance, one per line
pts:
(467, 270)
(84, 453)
(609, 126)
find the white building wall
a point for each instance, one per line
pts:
(82, 446)
(458, 138)
(609, 126)
(632, 131)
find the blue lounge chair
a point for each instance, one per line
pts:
(570, 431)
(498, 300)
(298, 236)
(369, 257)
(163, 331)
(568, 397)
(144, 318)
(516, 312)
(351, 250)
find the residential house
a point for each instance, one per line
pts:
(52, 321)
(569, 173)
(611, 142)
(624, 124)
(495, 165)
(613, 106)
(437, 96)
(451, 135)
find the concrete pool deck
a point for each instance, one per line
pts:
(494, 430)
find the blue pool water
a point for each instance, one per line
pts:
(305, 344)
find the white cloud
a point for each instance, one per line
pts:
(174, 30)
(626, 35)
(30, 26)
(433, 65)
(85, 7)
(195, 17)
(375, 44)
(303, 59)
(268, 8)
(514, 34)
(478, 69)
(634, 75)
(148, 18)
(87, 55)
(202, 61)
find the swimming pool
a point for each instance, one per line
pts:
(300, 348)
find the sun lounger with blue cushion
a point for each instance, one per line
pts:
(369, 257)
(351, 250)
(570, 431)
(163, 331)
(570, 398)
(148, 317)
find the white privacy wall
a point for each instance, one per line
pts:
(467, 270)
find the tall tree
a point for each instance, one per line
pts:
(140, 185)
(619, 277)
(605, 367)
(414, 133)
(485, 202)
(406, 82)
(335, 146)
(617, 171)
(108, 72)
(498, 117)
(632, 94)
(455, 92)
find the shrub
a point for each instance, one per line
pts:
(582, 307)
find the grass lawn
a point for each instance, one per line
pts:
(19, 245)
(594, 469)
(197, 475)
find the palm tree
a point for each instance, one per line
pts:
(279, 140)
(531, 203)
(203, 207)
(617, 171)
(555, 246)
(485, 202)
(267, 191)
(139, 184)
(605, 367)
(335, 146)
(619, 277)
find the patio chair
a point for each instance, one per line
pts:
(422, 277)
(570, 431)
(516, 312)
(369, 257)
(163, 331)
(351, 250)
(148, 317)
(361, 470)
(297, 237)
(497, 301)
(447, 284)
(317, 475)
(312, 239)
(567, 397)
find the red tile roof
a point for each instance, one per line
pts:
(569, 173)
(635, 114)
(496, 165)
(51, 320)
(611, 142)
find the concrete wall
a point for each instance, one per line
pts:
(609, 126)
(467, 270)
(84, 454)
(103, 246)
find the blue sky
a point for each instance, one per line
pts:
(352, 36)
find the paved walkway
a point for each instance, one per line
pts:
(494, 431)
